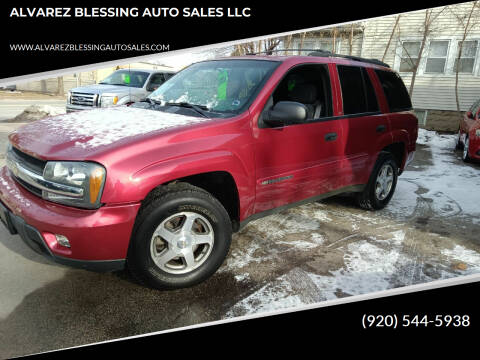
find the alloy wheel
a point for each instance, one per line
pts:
(384, 182)
(182, 242)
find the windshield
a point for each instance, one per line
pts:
(217, 85)
(126, 78)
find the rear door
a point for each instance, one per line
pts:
(364, 125)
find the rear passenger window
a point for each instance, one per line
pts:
(357, 90)
(395, 91)
(372, 104)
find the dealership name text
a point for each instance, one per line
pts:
(98, 12)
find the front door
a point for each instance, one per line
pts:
(299, 161)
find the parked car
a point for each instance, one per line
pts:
(9, 87)
(469, 133)
(119, 88)
(160, 186)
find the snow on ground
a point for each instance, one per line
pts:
(451, 185)
(379, 251)
(36, 112)
(45, 109)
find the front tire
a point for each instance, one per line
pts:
(381, 185)
(181, 237)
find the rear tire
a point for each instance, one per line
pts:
(459, 144)
(181, 237)
(381, 185)
(465, 154)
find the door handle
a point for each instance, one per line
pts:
(331, 136)
(381, 128)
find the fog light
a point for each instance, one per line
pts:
(62, 240)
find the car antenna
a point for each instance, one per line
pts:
(129, 88)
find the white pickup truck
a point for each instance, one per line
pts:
(119, 88)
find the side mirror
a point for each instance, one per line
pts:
(469, 115)
(285, 113)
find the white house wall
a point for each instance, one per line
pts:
(431, 91)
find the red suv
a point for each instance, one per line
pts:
(469, 133)
(161, 185)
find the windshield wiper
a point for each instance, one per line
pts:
(152, 101)
(198, 108)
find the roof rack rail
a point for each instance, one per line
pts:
(270, 52)
(350, 57)
(325, 53)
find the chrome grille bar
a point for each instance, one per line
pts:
(38, 181)
(84, 99)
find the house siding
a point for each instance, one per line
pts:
(431, 91)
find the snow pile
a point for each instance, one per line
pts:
(37, 112)
(435, 140)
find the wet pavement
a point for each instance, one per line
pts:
(316, 252)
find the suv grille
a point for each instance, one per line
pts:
(31, 163)
(84, 99)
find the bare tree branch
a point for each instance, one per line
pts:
(391, 37)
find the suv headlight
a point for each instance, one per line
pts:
(106, 101)
(69, 97)
(89, 177)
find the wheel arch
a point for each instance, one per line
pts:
(222, 186)
(398, 150)
(219, 172)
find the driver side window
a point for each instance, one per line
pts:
(308, 85)
(155, 81)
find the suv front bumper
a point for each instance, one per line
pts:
(98, 239)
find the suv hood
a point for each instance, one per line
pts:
(80, 135)
(101, 88)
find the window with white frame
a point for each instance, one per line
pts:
(437, 56)
(327, 44)
(317, 44)
(467, 60)
(308, 45)
(409, 55)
